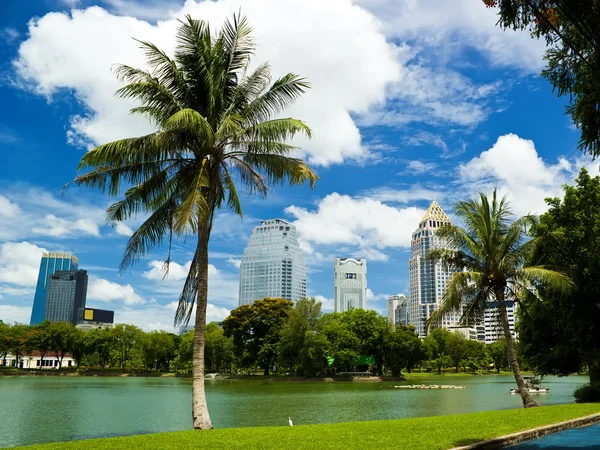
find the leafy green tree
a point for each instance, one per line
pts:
(403, 349)
(124, 337)
(4, 346)
(99, 344)
(78, 345)
(489, 255)
(61, 338)
(436, 341)
(186, 350)
(301, 337)
(17, 341)
(218, 353)
(572, 31)
(497, 353)
(344, 345)
(40, 340)
(457, 349)
(560, 334)
(441, 362)
(215, 127)
(255, 330)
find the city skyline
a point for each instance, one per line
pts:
(404, 124)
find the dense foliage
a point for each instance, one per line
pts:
(561, 334)
(572, 31)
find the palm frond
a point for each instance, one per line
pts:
(282, 94)
(191, 122)
(187, 298)
(279, 169)
(551, 279)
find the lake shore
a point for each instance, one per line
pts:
(424, 433)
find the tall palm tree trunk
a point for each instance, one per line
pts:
(200, 416)
(528, 401)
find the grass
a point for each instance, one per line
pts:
(425, 433)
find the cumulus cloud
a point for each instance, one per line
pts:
(19, 265)
(450, 27)
(328, 304)
(8, 208)
(362, 222)
(15, 314)
(56, 56)
(123, 230)
(108, 291)
(223, 285)
(514, 166)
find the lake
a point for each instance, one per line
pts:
(46, 409)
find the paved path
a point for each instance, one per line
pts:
(587, 438)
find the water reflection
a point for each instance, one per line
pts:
(46, 409)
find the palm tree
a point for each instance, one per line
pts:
(488, 256)
(216, 128)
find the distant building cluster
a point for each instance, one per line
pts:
(273, 266)
(61, 292)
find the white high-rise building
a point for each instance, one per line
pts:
(492, 330)
(349, 284)
(428, 279)
(273, 264)
(398, 310)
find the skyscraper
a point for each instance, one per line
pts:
(491, 330)
(273, 264)
(51, 262)
(398, 309)
(428, 279)
(349, 284)
(66, 295)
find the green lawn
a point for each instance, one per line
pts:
(426, 433)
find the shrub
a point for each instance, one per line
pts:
(588, 393)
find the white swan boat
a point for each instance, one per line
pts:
(532, 384)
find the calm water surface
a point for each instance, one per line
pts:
(47, 409)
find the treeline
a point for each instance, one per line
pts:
(271, 335)
(124, 347)
(274, 334)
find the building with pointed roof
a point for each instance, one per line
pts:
(428, 279)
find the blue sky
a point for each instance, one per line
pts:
(410, 101)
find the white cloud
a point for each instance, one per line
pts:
(8, 208)
(123, 230)
(328, 304)
(223, 286)
(415, 193)
(19, 264)
(10, 34)
(419, 167)
(235, 262)
(450, 27)
(107, 291)
(364, 222)
(15, 314)
(56, 56)
(176, 271)
(28, 211)
(515, 168)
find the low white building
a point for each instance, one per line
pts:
(34, 361)
(492, 325)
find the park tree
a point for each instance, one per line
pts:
(561, 334)
(302, 347)
(99, 345)
(403, 349)
(40, 340)
(17, 341)
(61, 336)
(218, 353)
(4, 346)
(571, 29)
(185, 350)
(457, 349)
(218, 125)
(497, 353)
(124, 337)
(489, 256)
(255, 331)
(344, 345)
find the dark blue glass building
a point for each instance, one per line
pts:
(51, 262)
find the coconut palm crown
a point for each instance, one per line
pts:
(488, 257)
(218, 126)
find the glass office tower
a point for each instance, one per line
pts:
(66, 295)
(51, 262)
(273, 264)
